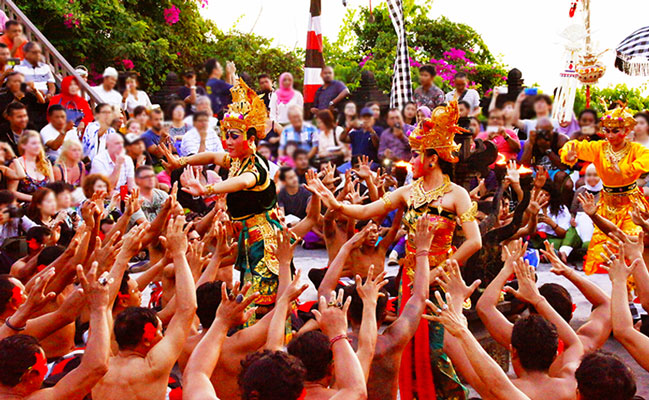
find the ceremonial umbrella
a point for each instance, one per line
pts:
(633, 53)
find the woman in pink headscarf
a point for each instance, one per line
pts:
(283, 98)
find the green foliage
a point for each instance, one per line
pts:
(632, 96)
(107, 32)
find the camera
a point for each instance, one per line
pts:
(13, 211)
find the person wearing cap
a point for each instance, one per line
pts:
(189, 92)
(363, 138)
(106, 91)
(136, 149)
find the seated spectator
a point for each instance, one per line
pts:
(204, 104)
(423, 112)
(542, 109)
(5, 55)
(427, 94)
(57, 131)
(114, 163)
(265, 91)
(34, 164)
(582, 227)
(299, 131)
(133, 97)
(409, 113)
(349, 117)
(641, 129)
(464, 108)
(96, 183)
(364, 140)
(553, 221)
(283, 98)
(462, 92)
(394, 143)
(141, 115)
(178, 127)
(94, 137)
(133, 126)
(293, 197)
(17, 91)
(12, 224)
(136, 149)
(14, 38)
(77, 108)
(151, 199)
(6, 172)
(69, 168)
(264, 149)
(201, 137)
(505, 140)
(301, 159)
(189, 92)
(155, 134)
(218, 90)
(329, 145)
(37, 71)
(43, 208)
(106, 90)
(587, 121)
(330, 94)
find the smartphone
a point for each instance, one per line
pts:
(123, 192)
(588, 130)
(531, 91)
(492, 129)
(12, 62)
(503, 90)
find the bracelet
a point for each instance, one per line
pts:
(386, 200)
(210, 190)
(13, 328)
(422, 253)
(182, 161)
(335, 339)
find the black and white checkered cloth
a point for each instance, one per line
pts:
(401, 92)
(633, 53)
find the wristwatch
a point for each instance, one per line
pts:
(548, 152)
(331, 103)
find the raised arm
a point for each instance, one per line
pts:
(277, 329)
(204, 158)
(163, 356)
(369, 293)
(466, 210)
(194, 187)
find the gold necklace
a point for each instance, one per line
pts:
(614, 157)
(419, 196)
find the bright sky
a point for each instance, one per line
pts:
(522, 33)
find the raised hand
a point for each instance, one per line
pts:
(95, 289)
(571, 155)
(558, 267)
(360, 236)
(538, 202)
(192, 185)
(285, 248)
(370, 291)
(354, 195)
(232, 310)
(513, 175)
(541, 177)
(37, 298)
(448, 315)
(364, 170)
(295, 289)
(527, 290)
(640, 217)
(132, 241)
(616, 265)
(424, 232)
(332, 316)
(173, 161)
(453, 283)
(175, 239)
(588, 203)
(133, 202)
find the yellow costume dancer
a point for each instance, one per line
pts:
(619, 164)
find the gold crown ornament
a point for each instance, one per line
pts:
(438, 132)
(619, 117)
(246, 111)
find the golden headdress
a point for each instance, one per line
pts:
(246, 111)
(438, 132)
(619, 117)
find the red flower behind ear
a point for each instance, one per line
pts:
(41, 267)
(149, 332)
(40, 365)
(17, 295)
(574, 307)
(33, 244)
(125, 296)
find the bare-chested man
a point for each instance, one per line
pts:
(141, 368)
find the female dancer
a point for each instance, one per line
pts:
(446, 203)
(250, 191)
(619, 164)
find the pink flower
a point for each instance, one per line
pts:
(414, 63)
(128, 64)
(365, 60)
(203, 3)
(172, 15)
(178, 54)
(70, 21)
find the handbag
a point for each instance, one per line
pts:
(73, 114)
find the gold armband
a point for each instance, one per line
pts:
(386, 200)
(182, 161)
(210, 190)
(227, 160)
(470, 214)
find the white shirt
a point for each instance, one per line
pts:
(562, 219)
(142, 100)
(91, 144)
(50, 133)
(103, 164)
(40, 74)
(213, 124)
(279, 111)
(327, 141)
(472, 97)
(192, 140)
(111, 97)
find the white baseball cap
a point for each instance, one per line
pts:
(110, 71)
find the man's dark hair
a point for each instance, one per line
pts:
(536, 341)
(189, 73)
(312, 348)
(394, 109)
(129, 325)
(59, 187)
(100, 106)
(14, 106)
(49, 254)
(208, 299)
(559, 298)
(210, 65)
(143, 168)
(543, 97)
(262, 76)
(123, 288)
(589, 111)
(10, 23)
(6, 197)
(39, 233)
(54, 108)
(603, 376)
(464, 103)
(6, 291)
(27, 47)
(429, 68)
(139, 110)
(283, 171)
(157, 111)
(271, 375)
(299, 152)
(356, 307)
(3, 46)
(17, 354)
(459, 75)
(199, 114)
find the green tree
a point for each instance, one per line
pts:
(600, 98)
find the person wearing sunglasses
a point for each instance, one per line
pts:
(250, 191)
(619, 163)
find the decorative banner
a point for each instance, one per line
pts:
(401, 92)
(633, 53)
(314, 60)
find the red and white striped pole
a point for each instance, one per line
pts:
(314, 60)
